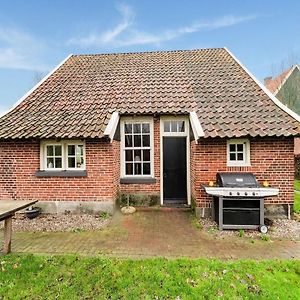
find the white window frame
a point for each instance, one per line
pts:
(64, 144)
(246, 161)
(133, 120)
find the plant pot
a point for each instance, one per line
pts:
(32, 212)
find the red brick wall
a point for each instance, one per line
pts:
(20, 160)
(271, 159)
(148, 188)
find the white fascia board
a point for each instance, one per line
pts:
(286, 78)
(269, 94)
(36, 86)
(196, 126)
(112, 125)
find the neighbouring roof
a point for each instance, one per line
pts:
(78, 99)
(274, 84)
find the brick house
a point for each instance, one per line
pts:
(152, 126)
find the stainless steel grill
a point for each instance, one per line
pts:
(238, 200)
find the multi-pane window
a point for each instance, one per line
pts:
(63, 155)
(54, 156)
(137, 147)
(75, 157)
(174, 126)
(238, 152)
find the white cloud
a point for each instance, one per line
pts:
(19, 50)
(126, 34)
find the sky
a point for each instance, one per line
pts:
(36, 35)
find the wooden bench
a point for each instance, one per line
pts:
(8, 208)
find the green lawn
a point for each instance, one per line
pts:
(297, 196)
(70, 277)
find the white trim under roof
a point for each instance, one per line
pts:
(112, 125)
(196, 126)
(36, 86)
(269, 94)
(285, 78)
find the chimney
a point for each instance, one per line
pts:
(267, 80)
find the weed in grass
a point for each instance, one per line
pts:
(265, 237)
(76, 230)
(104, 215)
(241, 233)
(196, 223)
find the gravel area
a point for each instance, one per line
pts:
(280, 229)
(59, 222)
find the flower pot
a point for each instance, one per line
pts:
(32, 212)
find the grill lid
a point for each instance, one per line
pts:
(237, 180)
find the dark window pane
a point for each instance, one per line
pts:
(137, 155)
(173, 126)
(146, 128)
(137, 169)
(166, 126)
(58, 163)
(146, 168)
(232, 156)
(181, 126)
(128, 128)
(128, 155)
(71, 149)
(146, 155)
(50, 163)
(146, 140)
(71, 162)
(240, 147)
(232, 147)
(57, 150)
(137, 128)
(128, 140)
(240, 156)
(49, 150)
(137, 141)
(129, 169)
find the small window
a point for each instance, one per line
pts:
(174, 126)
(137, 148)
(62, 155)
(238, 152)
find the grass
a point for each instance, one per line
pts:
(297, 196)
(71, 277)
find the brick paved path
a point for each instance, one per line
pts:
(152, 233)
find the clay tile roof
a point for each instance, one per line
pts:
(78, 99)
(274, 83)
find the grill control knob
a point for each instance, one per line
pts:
(246, 193)
(230, 193)
(238, 193)
(253, 193)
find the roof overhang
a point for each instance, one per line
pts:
(196, 126)
(112, 125)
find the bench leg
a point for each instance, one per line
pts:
(7, 235)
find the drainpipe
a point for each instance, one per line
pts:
(289, 212)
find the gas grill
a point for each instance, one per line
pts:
(238, 201)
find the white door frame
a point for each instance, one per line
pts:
(186, 134)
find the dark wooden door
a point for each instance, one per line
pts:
(174, 170)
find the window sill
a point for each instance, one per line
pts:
(67, 173)
(138, 180)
